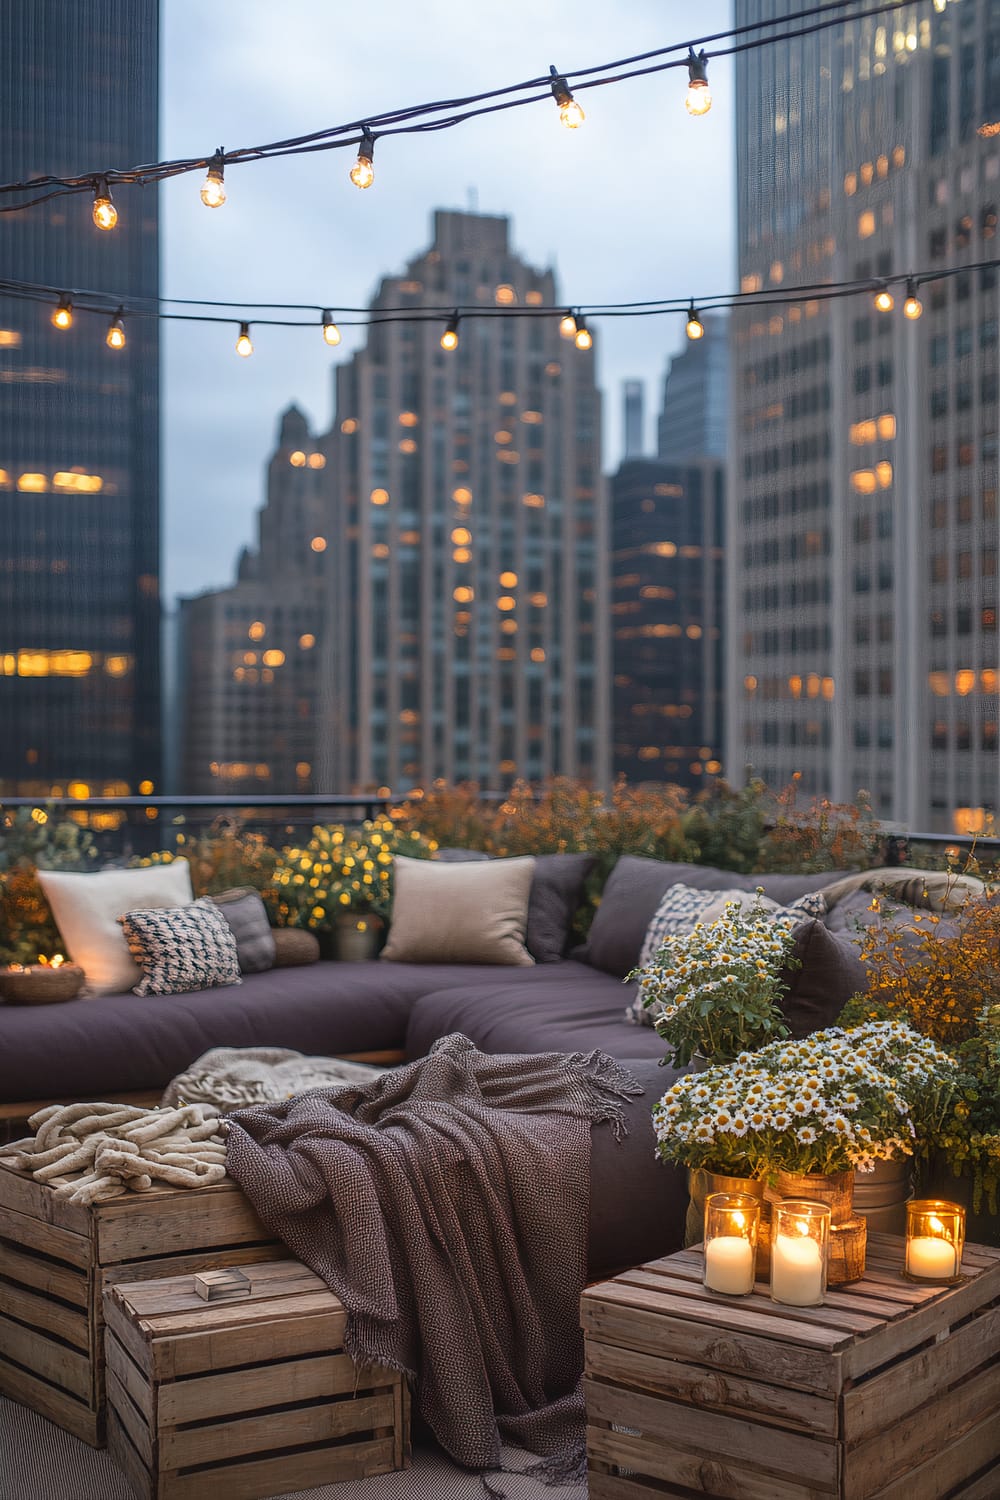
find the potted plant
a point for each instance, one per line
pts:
(715, 990)
(339, 884)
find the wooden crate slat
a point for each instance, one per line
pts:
(131, 1418)
(169, 1223)
(838, 1312)
(123, 1451)
(692, 1471)
(24, 1195)
(951, 1305)
(899, 1448)
(52, 1402)
(49, 1317)
(738, 1352)
(175, 1293)
(718, 1315)
(203, 1260)
(959, 1459)
(735, 1394)
(65, 1282)
(130, 1376)
(25, 1230)
(875, 1404)
(856, 1298)
(713, 1436)
(283, 1381)
(53, 1361)
(306, 1469)
(236, 1437)
(985, 1487)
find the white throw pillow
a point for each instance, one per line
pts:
(87, 908)
(468, 913)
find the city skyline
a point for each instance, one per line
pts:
(298, 230)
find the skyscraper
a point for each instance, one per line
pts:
(863, 503)
(634, 418)
(249, 691)
(79, 447)
(466, 636)
(694, 417)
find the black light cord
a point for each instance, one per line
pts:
(411, 120)
(107, 303)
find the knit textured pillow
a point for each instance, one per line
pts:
(182, 948)
(681, 907)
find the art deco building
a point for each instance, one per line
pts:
(467, 627)
(667, 530)
(79, 447)
(863, 503)
(248, 682)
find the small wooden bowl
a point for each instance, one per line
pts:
(40, 984)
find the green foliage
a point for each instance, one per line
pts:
(341, 870)
(823, 836)
(726, 826)
(224, 856)
(32, 840)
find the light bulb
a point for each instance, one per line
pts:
(449, 339)
(331, 333)
(698, 99)
(884, 301)
(104, 212)
(62, 316)
(912, 307)
(570, 113)
(244, 346)
(567, 326)
(115, 337)
(695, 328)
(213, 194)
(583, 339)
(363, 171)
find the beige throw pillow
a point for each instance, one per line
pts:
(87, 908)
(460, 913)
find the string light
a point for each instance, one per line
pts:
(449, 339)
(62, 316)
(912, 307)
(363, 171)
(584, 338)
(567, 325)
(331, 333)
(698, 99)
(570, 113)
(694, 328)
(213, 194)
(104, 212)
(115, 337)
(244, 344)
(884, 301)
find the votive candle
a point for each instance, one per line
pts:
(935, 1238)
(732, 1221)
(799, 1252)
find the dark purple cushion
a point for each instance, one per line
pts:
(634, 890)
(556, 893)
(830, 973)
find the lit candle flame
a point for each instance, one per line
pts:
(57, 962)
(935, 1226)
(739, 1220)
(802, 1226)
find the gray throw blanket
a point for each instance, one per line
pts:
(446, 1204)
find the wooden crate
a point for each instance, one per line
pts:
(56, 1259)
(246, 1398)
(890, 1390)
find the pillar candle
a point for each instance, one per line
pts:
(729, 1264)
(926, 1255)
(796, 1270)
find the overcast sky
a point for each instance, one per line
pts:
(635, 204)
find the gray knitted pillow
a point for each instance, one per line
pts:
(181, 948)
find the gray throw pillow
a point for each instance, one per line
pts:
(556, 893)
(246, 914)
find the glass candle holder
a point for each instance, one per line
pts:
(935, 1238)
(800, 1251)
(732, 1222)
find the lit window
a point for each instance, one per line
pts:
(508, 580)
(146, 788)
(883, 473)
(408, 445)
(297, 459)
(509, 627)
(303, 769)
(461, 496)
(538, 601)
(380, 549)
(257, 630)
(503, 436)
(349, 426)
(505, 295)
(461, 536)
(534, 502)
(318, 544)
(553, 368)
(34, 484)
(532, 418)
(317, 461)
(273, 658)
(250, 658)
(851, 184)
(887, 425)
(866, 225)
(777, 272)
(537, 653)
(9, 339)
(379, 497)
(534, 299)
(506, 602)
(867, 173)
(408, 419)
(508, 398)
(463, 594)
(462, 555)
(307, 642)
(863, 481)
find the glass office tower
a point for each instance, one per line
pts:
(79, 444)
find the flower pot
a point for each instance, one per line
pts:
(881, 1195)
(701, 1184)
(848, 1231)
(357, 936)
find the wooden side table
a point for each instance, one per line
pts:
(890, 1390)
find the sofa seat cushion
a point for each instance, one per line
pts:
(115, 1043)
(564, 1007)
